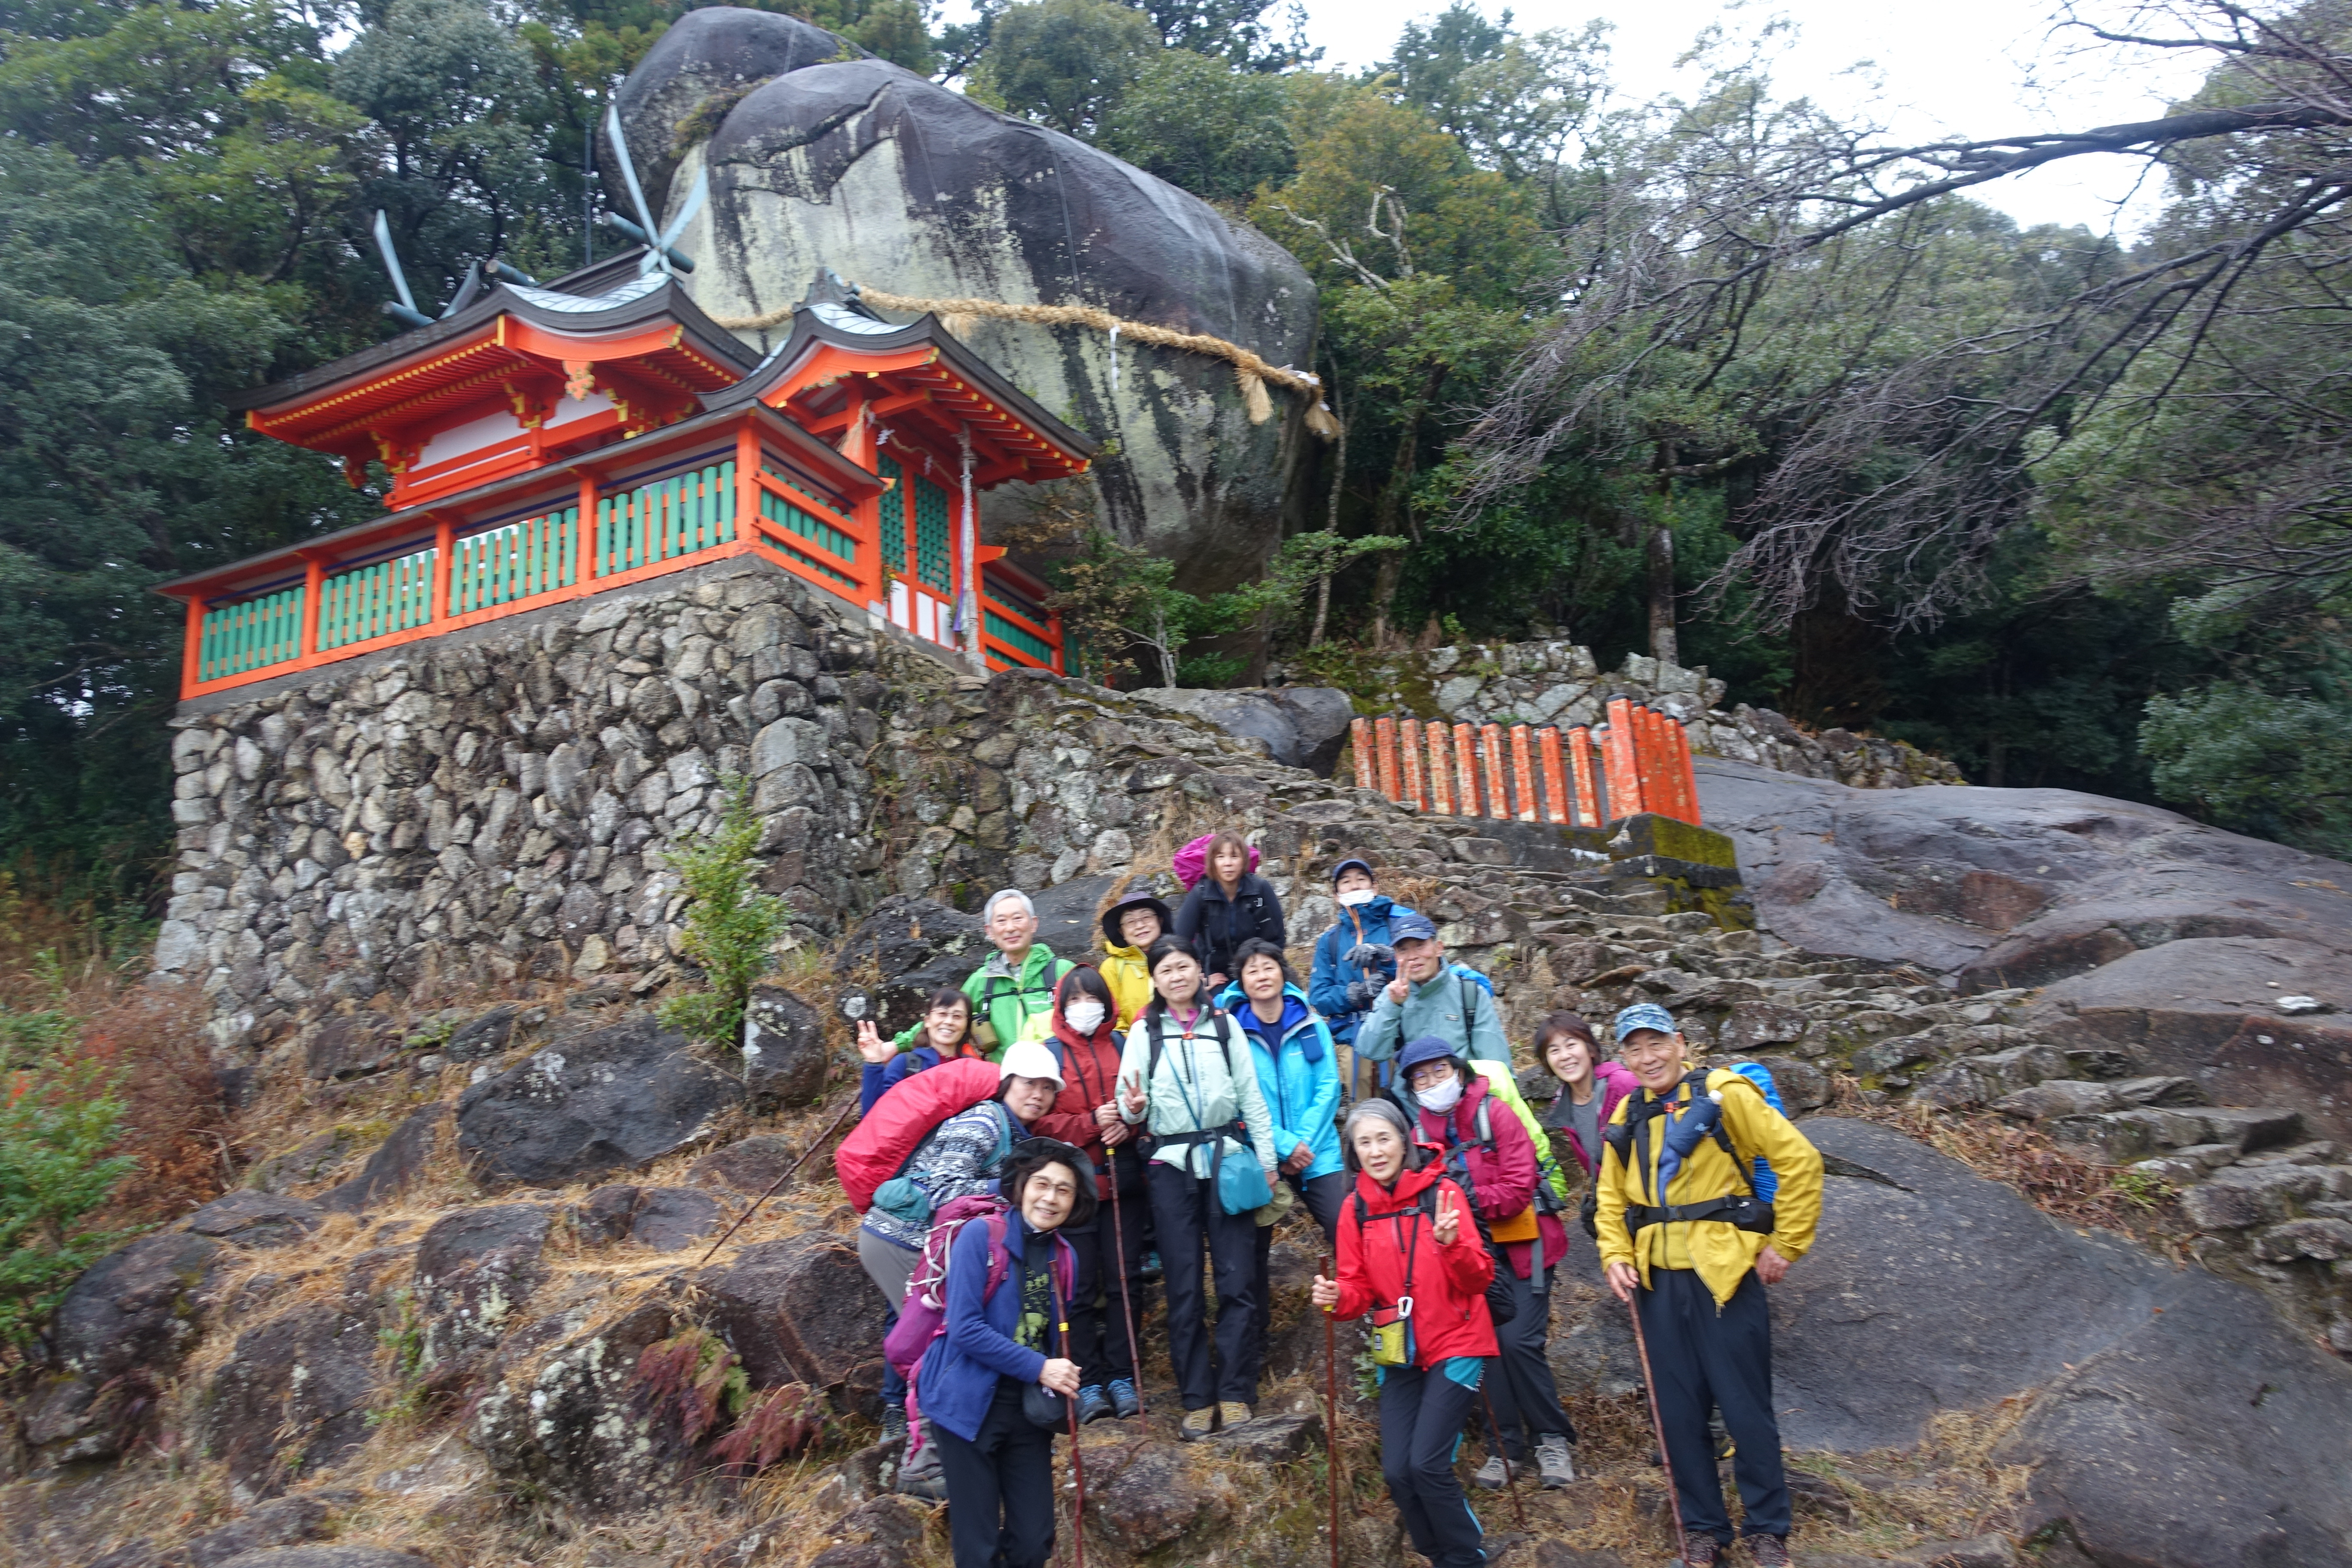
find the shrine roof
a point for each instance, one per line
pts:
(961, 387)
(628, 314)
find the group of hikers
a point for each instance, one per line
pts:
(1057, 1142)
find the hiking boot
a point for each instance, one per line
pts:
(1125, 1403)
(1768, 1551)
(1493, 1475)
(1198, 1423)
(894, 1422)
(1093, 1404)
(1700, 1551)
(1552, 1463)
(929, 1488)
(1233, 1413)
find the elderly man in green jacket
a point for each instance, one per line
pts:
(1012, 993)
(1429, 996)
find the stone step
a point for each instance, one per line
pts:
(2126, 1137)
(2054, 1097)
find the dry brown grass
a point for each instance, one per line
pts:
(2056, 1180)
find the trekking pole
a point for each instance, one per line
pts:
(777, 1185)
(1126, 1300)
(1511, 1471)
(1331, 1408)
(1650, 1388)
(1077, 1462)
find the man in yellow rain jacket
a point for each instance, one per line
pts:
(1685, 1239)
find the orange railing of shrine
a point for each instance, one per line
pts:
(432, 570)
(1582, 776)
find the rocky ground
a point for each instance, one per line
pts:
(2073, 1299)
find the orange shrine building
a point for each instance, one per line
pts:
(549, 443)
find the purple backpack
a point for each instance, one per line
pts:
(923, 1315)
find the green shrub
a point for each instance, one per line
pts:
(730, 926)
(57, 1120)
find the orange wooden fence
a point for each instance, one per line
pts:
(1638, 760)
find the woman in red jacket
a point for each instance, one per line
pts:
(1410, 1255)
(1486, 1150)
(1087, 1040)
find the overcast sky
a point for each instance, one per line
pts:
(1992, 68)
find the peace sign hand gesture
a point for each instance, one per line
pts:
(871, 1045)
(1448, 1223)
(1131, 1092)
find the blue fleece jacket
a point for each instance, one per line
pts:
(959, 1371)
(1327, 984)
(880, 1078)
(1298, 1074)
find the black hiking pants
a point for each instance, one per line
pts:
(1323, 1195)
(1422, 1412)
(1526, 1395)
(1188, 1218)
(1000, 1486)
(1701, 1360)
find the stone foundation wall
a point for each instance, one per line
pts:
(1562, 683)
(498, 804)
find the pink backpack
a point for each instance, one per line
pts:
(1192, 862)
(923, 1315)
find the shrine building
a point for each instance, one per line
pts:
(549, 443)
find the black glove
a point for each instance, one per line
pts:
(1364, 954)
(1359, 995)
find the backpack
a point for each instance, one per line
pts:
(1765, 1183)
(923, 1315)
(1192, 862)
(909, 1112)
(1502, 1306)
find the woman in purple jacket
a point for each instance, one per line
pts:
(998, 1463)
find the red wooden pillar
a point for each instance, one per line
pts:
(1688, 772)
(1359, 743)
(1441, 768)
(1465, 767)
(1621, 755)
(1588, 810)
(1384, 735)
(314, 590)
(1523, 774)
(1409, 757)
(191, 651)
(445, 547)
(1657, 778)
(586, 567)
(1498, 803)
(1555, 776)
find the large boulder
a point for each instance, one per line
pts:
(293, 1398)
(1300, 726)
(904, 185)
(249, 1217)
(582, 1430)
(783, 1049)
(474, 1268)
(2203, 954)
(121, 1333)
(613, 1099)
(801, 1311)
(394, 1165)
(2175, 1420)
(908, 948)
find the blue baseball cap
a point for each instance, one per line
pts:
(1351, 864)
(1643, 1016)
(1426, 1048)
(1411, 925)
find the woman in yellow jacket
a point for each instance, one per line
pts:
(1685, 1239)
(1129, 927)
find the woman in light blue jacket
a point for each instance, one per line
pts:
(1298, 1074)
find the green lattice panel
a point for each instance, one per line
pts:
(515, 562)
(374, 601)
(666, 518)
(932, 537)
(816, 530)
(242, 636)
(1015, 637)
(894, 515)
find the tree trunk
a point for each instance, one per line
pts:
(1660, 555)
(1322, 609)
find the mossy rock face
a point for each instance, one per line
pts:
(1647, 833)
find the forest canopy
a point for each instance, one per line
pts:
(1719, 377)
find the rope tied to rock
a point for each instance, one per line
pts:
(1251, 371)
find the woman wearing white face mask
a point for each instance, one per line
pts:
(1352, 961)
(1085, 1035)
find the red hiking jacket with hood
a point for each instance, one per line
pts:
(1449, 1283)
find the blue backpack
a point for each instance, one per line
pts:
(1766, 1183)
